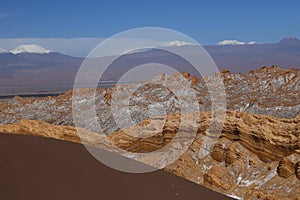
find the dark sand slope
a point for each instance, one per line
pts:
(39, 168)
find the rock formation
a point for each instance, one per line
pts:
(269, 91)
(44, 129)
(257, 155)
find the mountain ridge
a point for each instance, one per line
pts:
(29, 68)
(31, 48)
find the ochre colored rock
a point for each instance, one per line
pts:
(286, 168)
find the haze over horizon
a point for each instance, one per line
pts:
(80, 47)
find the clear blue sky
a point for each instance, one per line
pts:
(206, 21)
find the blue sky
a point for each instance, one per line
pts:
(208, 22)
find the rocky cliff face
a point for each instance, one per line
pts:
(44, 129)
(256, 157)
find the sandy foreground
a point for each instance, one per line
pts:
(42, 168)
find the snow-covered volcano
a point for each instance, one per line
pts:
(31, 48)
(235, 42)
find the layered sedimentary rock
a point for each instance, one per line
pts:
(270, 138)
(256, 156)
(265, 166)
(44, 129)
(298, 169)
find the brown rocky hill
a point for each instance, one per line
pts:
(256, 157)
(269, 91)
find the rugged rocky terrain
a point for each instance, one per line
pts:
(269, 91)
(256, 157)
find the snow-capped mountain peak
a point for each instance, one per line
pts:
(31, 48)
(176, 43)
(3, 51)
(251, 43)
(231, 42)
(235, 42)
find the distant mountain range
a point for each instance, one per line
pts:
(235, 42)
(31, 64)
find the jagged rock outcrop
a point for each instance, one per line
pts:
(289, 166)
(286, 168)
(230, 154)
(256, 157)
(270, 138)
(269, 91)
(239, 164)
